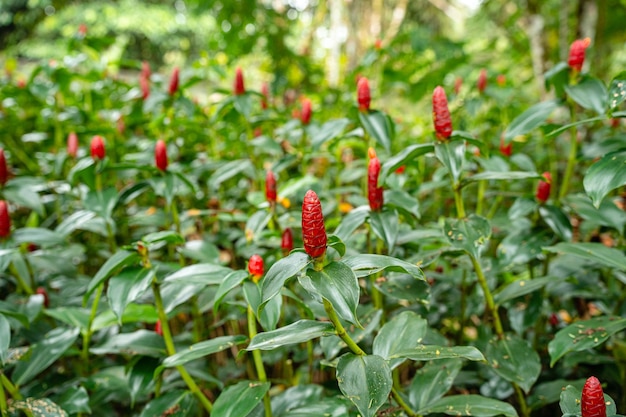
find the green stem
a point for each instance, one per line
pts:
(3, 402)
(521, 399)
(88, 331)
(458, 200)
(341, 331)
(491, 305)
(407, 409)
(171, 350)
(571, 160)
(20, 280)
(258, 362)
(482, 187)
(11, 389)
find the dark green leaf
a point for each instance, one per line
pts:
(140, 378)
(470, 405)
(5, 338)
(514, 360)
(232, 280)
(617, 91)
(140, 342)
(432, 381)
(38, 407)
(452, 156)
(199, 350)
(128, 286)
(298, 332)
(522, 287)
(406, 156)
(557, 220)
(351, 222)
(270, 314)
(368, 264)
(119, 260)
(405, 331)
(38, 236)
(595, 252)
(530, 119)
(403, 201)
(171, 404)
(168, 236)
(239, 399)
(144, 313)
(75, 221)
(378, 125)
(385, 226)
(590, 93)
(75, 400)
(364, 380)
(74, 316)
(327, 131)
(607, 214)
(201, 274)
(280, 272)
(432, 352)
(470, 234)
(605, 175)
(506, 175)
(101, 202)
(566, 127)
(337, 244)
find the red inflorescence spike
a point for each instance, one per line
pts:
(270, 187)
(364, 97)
(374, 192)
(313, 229)
(5, 220)
(174, 81)
(441, 114)
(543, 188)
(97, 148)
(577, 53)
(592, 402)
(238, 86)
(160, 155)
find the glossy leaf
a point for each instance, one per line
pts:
(605, 175)
(270, 314)
(128, 286)
(239, 399)
(378, 125)
(583, 335)
(522, 287)
(368, 264)
(199, 350)
(364, 380)
(432, 381)
(432, 352)
(231, 281)
(280, 272)
(533, 117)
(101, 202)
(506, 176)
(557, 220)
(405, 331)
(351, 222)
(73, 316)
(5, 338)
(133, 313)
(38, 236)
(469, 405)
(327, 131)
(140, 377)
(607, 214)
(567, 126)
(595, 252)
(452, 156)
(570, 402)
(38, 407)
(404, 157)
(201, 274)
(298, 332)
(119, 260)
(470, 234)
(385, 226)
(181, 402)
(514, 360)
(590, 93)
(140, 342)
(75, 221)
(74, 400)
(617, 90)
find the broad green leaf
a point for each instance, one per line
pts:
(595, 252)
(140, 377)
(74, 400)
(74, 316)
(177, 293)
(432, 381)
(351, 222)
(404, 331)
(470, 234)
(368, 264)
(280, 272)
(5, 338)
(566, 127)
(522, 287)
(38, 407)
(607, 214)
(338, 284)
(549, 392)
(201, 274)
(182, 402)
(583, 335)
(329, 130)
(256, 223)
(24, 196)
(514, 360)
(617, 90)
(74, 222)
(119, 260)
(364, 380)
(385, 226)
(590, 93)
(199, 350)
(239, 399)
(533, 117)
(38, 236)
(337, 244)
(406, 156)
(327, 407)
(523, 245)
(44, 353)
(168, 236)
(140, 342)
(231, 281)
(452, 156)
(128, 286)
(494, 175)
(270, 314)
(432, 352)
(570, 402)
(605, 175)
(144, 313)
(402, 200)
(101, 202)
(229, 170)
(298, 332)
(294, 397)
(469, 405)
(379, 126)
(557, 220)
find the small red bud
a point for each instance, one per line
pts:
(592, 402)
(21, 83)
(305, 114)
(374, 192)
(313, 229)
(543, 188)
(501, 80)
(400, 169)
(577, 54)
(158, 328)
(286, 243)
(82, 30)
(145, 70)
(4, 169)
(378, 45)
(256, 267)
(238, 86)
(482, 81)
(554, 320)
(270, 187)
(72, 145)
(144, 84)
(174, 81)
(160, 155)
(441, 114)
(364, 97)
(265, 92)
(5, 220)
(615, 122)
(97, 148)
(46, 300)
(505, 149)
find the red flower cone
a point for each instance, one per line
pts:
(5, 220)
(592, 401)
(543, 188)
(505, 150)
(160, 155)
(441, 114)
(286, 243)
(270, 187)
(72, 145)
(256, 267)
(481, 84)
(265, 92)
(238, 86)
(364, 97)
(174, 81)
(97, 148)
(305, 114)
(374, 192)
(313, 229)
(4, 169)
(577, 54)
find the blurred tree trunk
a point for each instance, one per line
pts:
(535, 28)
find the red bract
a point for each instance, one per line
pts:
(174, 81)
(364, 97)
(270, 187)
(506, 149)
(97, 148)
(265, 92)
(145, 70)
(160, 155)
(72, 145)
(239, 87)
(501, 80)
(374, 192)
(4, 169)
(305, 114)
(313, 229)
(5, 220)
(158, 328)
(46, 300)
(144, 84)
(482, 81)
(592, 402)
(543, 188)
(441, 114)
(577, 54)
(286, 243)
(256, 267)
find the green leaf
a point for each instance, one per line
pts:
(74, 400)
(74, 316)
(533, 117)
(280, 272)
(44, 353)
(229, 170)
(256, 223)
(595, 252)
(432, 381)
(144, 313)
(549, 392)
(128, 286)
(452, 156)
(239, 399)
(232, 280)
(101, 202)
(557, 220)
(605, 175)
(327, 407)
(566, 127)
(367, 264)
(590, 93)
(168, 236)
(379, 126)
(38, 236)
(201, 274)
(469, 405)
(406, 156)
(74, 221)
(470, 234)
(338, 284)
(119, 260)
(432, 352)
(38, 407)
(607, 214)
(617, 90)
(403, 201)
(583, 335)
(405, 331)
(385, 226)
(181, 402)
(140, 378)
(270, 314)
(140, 342)
(5, 338)
(514, 360)
(298, 332)
(495, 175)
(364, 380)
(351, 222)
(199, 350)
(327, 131)
(337, 244)
(522, 287)
(570, 402)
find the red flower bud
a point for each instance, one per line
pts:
(256, 267)
(5, 220)
(313, 229)
(577, 54)
(265, 92)
(305, 114)
(501, 80)
(592, 402)
(82, 30)
(286, 243)
(270, 187)
(543, 188)
(46, 300)
(144, 84)
(374, 192)
(158, 328)
(458, 82)
(145, 70)
(505, 149)
(160, 155)
(97, 148)
(363, 94)
(174, 81)
(239, 87)
(400, 169)
(4, 169)
(21, 83)
(441, 114)
(72, 145)
(482, 81)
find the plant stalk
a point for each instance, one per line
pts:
(407, 408)
(341, 331)
(491, 305)
(458, 200)
(88, 331)
(258, 361)
(571, 160)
